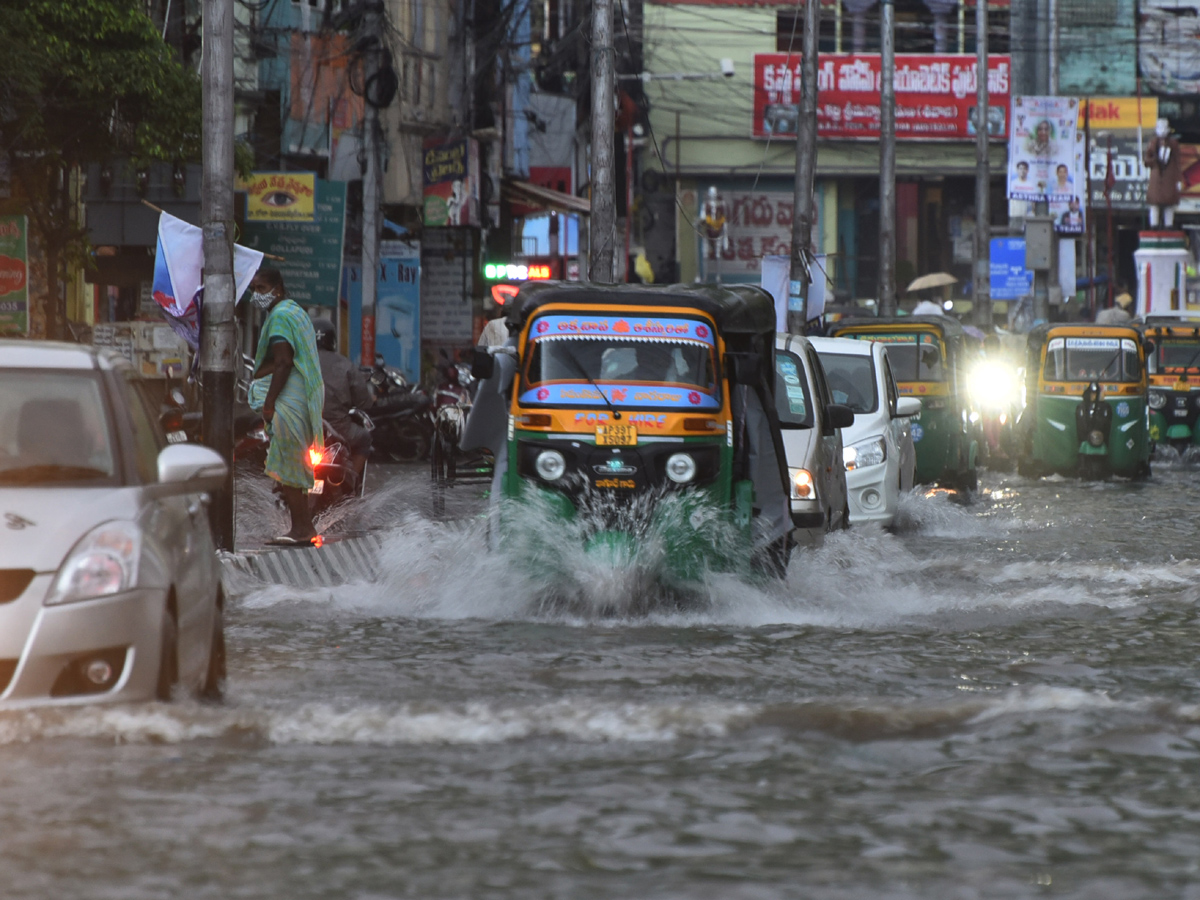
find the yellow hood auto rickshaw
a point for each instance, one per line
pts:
(636, 415)
(930, 358)
(1172, 347)
(1086, 402)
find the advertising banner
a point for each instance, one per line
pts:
(1130, 175)
(1069, 214)
(451, 177)
(397, 309)
(1042, 149)
(935, 96)
(14, 275)
(1010, 280)
(280, 196)
(311, 251)
(758, 224)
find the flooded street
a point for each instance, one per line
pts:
(1000, 700)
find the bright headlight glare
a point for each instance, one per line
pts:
(802, 484)
(864, 454)
(681, 468)
(550, 465)
(993, 385)
(102, 563)
(1157, 399)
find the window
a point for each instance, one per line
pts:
(1092, 359)
(820, 388)
(893, 395)
(148, 437)
(851, 381)
(1176, 358)
(913, 357)
(793, 403)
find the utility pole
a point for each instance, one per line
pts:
(983, 176)
(603, 229)
(887, 161)
(371, 191)
(218, 337)
(800, 274)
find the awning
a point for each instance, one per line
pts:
(544, 198)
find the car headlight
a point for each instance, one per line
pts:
(681, 468)
(1157, 399)
(864, 454)
(803, 487)
(103, 562)
(550, 465)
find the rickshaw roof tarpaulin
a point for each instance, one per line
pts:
(736, 309)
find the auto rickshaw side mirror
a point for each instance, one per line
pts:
(839, 416)
(744, 368)
(483, 364)
(1149, 346)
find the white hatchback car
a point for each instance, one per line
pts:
(110, 585)
(878, 447)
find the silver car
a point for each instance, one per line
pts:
(811, 423)
(109, 582)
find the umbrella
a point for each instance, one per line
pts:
(937, 279)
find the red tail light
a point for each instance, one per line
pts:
(315, 456)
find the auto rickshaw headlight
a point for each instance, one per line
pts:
(802, 484)
(681, 468)
(1157, 399)
(550, 465)
(1096, 438)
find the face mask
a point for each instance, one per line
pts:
(262, 300)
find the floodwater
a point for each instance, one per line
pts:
(1000, 700)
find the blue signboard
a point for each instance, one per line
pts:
(397, 307)
(1010, 279)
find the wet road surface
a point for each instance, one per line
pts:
(999, 700)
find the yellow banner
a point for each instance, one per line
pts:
(1119, 113)
(280, 196)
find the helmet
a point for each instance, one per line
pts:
(326, 335)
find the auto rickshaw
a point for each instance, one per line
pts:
(1086, 402)
(635, 416)
(1172, 347)
(930, 358)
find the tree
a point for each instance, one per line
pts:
(81, 82)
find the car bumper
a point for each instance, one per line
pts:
(874, 495)
(42, 647)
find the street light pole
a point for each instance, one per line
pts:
(218, 337)
(800, 272)
(602, 232)
(983, 176)
(887, 162)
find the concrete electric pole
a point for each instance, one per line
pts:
(983, 177)
(219, 352)
(887, 161)
(603, 231)
(801, 275)
(371, 179)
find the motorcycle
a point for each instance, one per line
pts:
(402, 415)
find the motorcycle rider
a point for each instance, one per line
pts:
(346, 388)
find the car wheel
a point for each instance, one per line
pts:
(214, 677)
(168, 656)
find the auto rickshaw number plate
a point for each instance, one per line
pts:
(318, 486)
(616, 435)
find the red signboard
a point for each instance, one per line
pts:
(935, 96)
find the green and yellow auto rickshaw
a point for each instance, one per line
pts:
(623, 417)
(1172, 347)
(930, 358)
(1086, 410)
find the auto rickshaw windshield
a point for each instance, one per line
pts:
(1175, 357)
(913, 357)
(1092, 359)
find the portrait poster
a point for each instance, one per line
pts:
(1069, 214)
(1042, 148)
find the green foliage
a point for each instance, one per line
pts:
(92, 80)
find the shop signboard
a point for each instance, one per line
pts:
(280, 196)
(1130, 175)
(1010, 280)
(451, 178)
(311, 252)
(758, 224)
(397, 307)
(935, 96)
(1042, 149)
(14, 275)
(447, 285)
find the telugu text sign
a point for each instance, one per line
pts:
(14, 275)
(935, 96)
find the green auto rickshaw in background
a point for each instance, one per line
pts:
(1172, 345)
(1086, 410)
(930, 358)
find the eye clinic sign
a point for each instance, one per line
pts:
(280, 196)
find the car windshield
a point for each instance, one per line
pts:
(913, 357)
(1092, 359)
(53, 429)
(673, 368)
(793, 404)
(851, 381)
(1176, 358)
